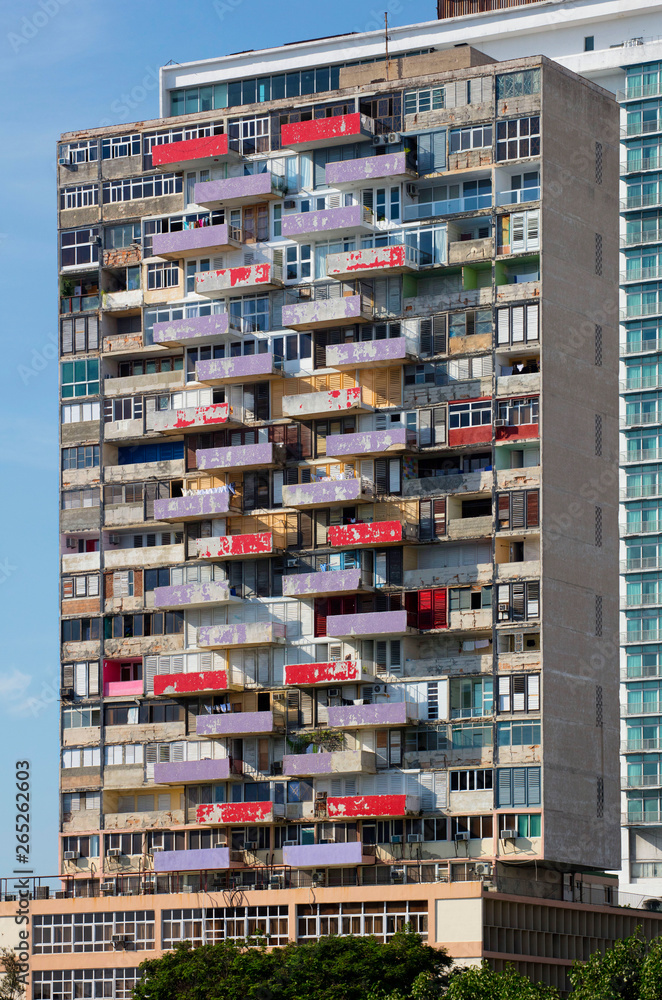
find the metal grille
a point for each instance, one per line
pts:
(598, 615)
(598, 163)
(598, 254)
(598, 705)
(600, 798)
(598, 527)
(598, 435)
(598, 345)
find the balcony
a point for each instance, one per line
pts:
(238, 546)
(517, 432)
(202, 505)
(374, 623)
(641, 236)
(370, 354)
(243, 456)
(240, 813)
(462, 436)
(470, 251)
(524, 384)
(372, 262)
(124, 301)
(334, 672)
(248, 634)
(306, 405)
(318, 314)
(196, 242)
(336, 131)
(197, 682)
(188, 771)
(192, 418)
(641, 818)
(237, 724)
(327, 493)
(246, 368)
(375, 533)
(325, 584)
(399, 713)
(351, 174)
(642, 708)
(308, 765)
(518, 196)
(230, 280)
(368, 443)
(193, 595)
(192, 154)
(372, 806)
(194, 331)
(453, 206)
(143, 558)
(192, 861)
(234, 192)
(329, 855)
(343, 222)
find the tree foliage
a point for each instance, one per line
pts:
(630, 970)
(12, 981)
(482, 983)
(331, 968)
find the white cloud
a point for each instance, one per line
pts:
(14, 686)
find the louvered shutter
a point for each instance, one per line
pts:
(395, 748)
(381, 475)
(425, 338)
(320, 612)
(503, 510)
(517, 324)
(306, 708)
(381, 747)
(533, 599)
(250, 755)
(394, 574)
(517, 232)
(533, 786)
(93, 677)
(504, 787)
(394, 483)
(519, 786)
(151, 755)
(533, 693)
(425, 617)
(151, 664)
(533, 230)
(519, 693)
(517, 601)
(67, 336)
(68, 675)
(532, 320)
(439, 333)
(517, 510)
(439, 608)
(532, 511)
(425, 520)
(439, 516)
(80, 339)
(504, 694)
(503, 326)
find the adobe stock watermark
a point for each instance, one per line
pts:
(40, 360)
(32, 24)
(129, 101)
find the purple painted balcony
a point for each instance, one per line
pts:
(250, 634)
(367, 169)
(185, 771)
(328, 855)
(196, 242)
(324, 584)
(372, 262)
(192, 418)
(192, 861)
(247, 368)
(367, 443)
(329, 403)
(262, 277)
(329, 222)
(342, 311)
(193, 595)
(369, 354)
(236, 724)
(400, 713)
(377, 623)
(205, 504)
(328, 492)
(242, 456)
(253, 189)
(306, 765)
(193, 331)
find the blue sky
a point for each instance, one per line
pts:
(68, 64)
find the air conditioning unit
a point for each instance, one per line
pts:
(462, 835)
(277, 767)
(333, 692)
(319, 878)
(440, 873)
(289, 205)
(411, 190)
(118, 939)
(518, 643)
(414, 838)
(379, 688)
(504, 607)
(396, 838)
(250, 845)
(276, 882)
(115, 539)
(483, 869)
(66, 692)
(155, 849)
(398, 874)
(114, 852)
(108, 887)
(290, 843)
(292, 563)
(500, 422)
(72, 543)
(509, 834)
(320, 796)
(65, 161)
(71, 855)
(393, 137)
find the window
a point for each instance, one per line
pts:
(80, 246)
(194, 267)
(71, 983)
(380, 920)
(519, 693)
(520, 232)
(250, 314)
(86, 847)
(470, 414)
(298, 262)
(120, 145)
(125, 408)
(518, 734)
(80, 378)
(467, 737)
(213, 925)
(149, 366)
(149, 186)
(122, 236)
(384, 655)
(167, 451)
(472, 322)
(81, 630)
(518, 324)
(518, 786)
(589, 43)
(471, 781)
(470, 598)
(431, 152)
(83, 718)
(518, 84)
(518, 138)
(80, 334)
(74, 499)
(73, 802)
(518, 509)
(152, 712)
(471, 697)
(80, 196)
(419, 101)
(81, 457)
(250, 135)
(518, 601)
(474, 137)
(128, 626)
(82, 678)
(75, 413)
(91, 931)
(519, 412)
(446, 372)
(526, 824)
(80, 586)
(123, 753)
(85, 151)
(163, 275)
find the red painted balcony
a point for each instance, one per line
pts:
(230, 280)
(330, 403)
(377, 533)
(192, 418)
(238, 546)
(372, 262)
(336, 131)
(201, 682)
(239, 813)
(458, 436)
(334, 672)
(193, 153)
(517, 432)
(372, 806)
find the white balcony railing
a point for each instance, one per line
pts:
(641, 346)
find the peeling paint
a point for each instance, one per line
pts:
(376, 533)
(186, 771)
(318, 403)
(235, 545)
(263, 185)
(391, 165)
(191, 329)
(248, 366)
(517, 432)
(328, 221)
(206, 238)
(326, 312)
(242, 456)
(192, 595)
(239, 812)
(235, 723)
(367, 352)
(397, 713)
(340, 762)
(322, 130)
(250, 634)
(470, 435)
(331, 582)
(334, 672)
(190, 149)
(176, 684)
(323, 493)
(188, 508)
(372, 805)
(373, 623)
(366, 443)
(369, 260)
(191, 417)
(209, 282)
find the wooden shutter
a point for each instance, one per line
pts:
(68, 675)
(381, 475)
(381, 748)
(439, 516)
(532, 321)
(533, 599)
(518, 232)
(425, 617)
(191, 445)
(503, 510)
(517, 319)
(533, 230)
(519, 786)
(425, 520)
(320, 613)
(67, 336)
(395, 748)
(439, 603)
(504, 694)
(93, 677)
(517, 601)
(532, 508)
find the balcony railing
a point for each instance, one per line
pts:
(518, 196)
(641, 346)
(641, 382)
(641, 455)
(649, 635)
(641, 273)
(633, 565)
(633, 201)
(642, 128)
(642, 781)
(640, 419)
(641, 818)
(636, 310)
(639, 164)
(642, 708)
(637, 93)
(641, 236)
(636, 746)
(451, 206)
(79, 303)
(640, 527)
(641, 600)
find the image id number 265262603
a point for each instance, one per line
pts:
(22, 812)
